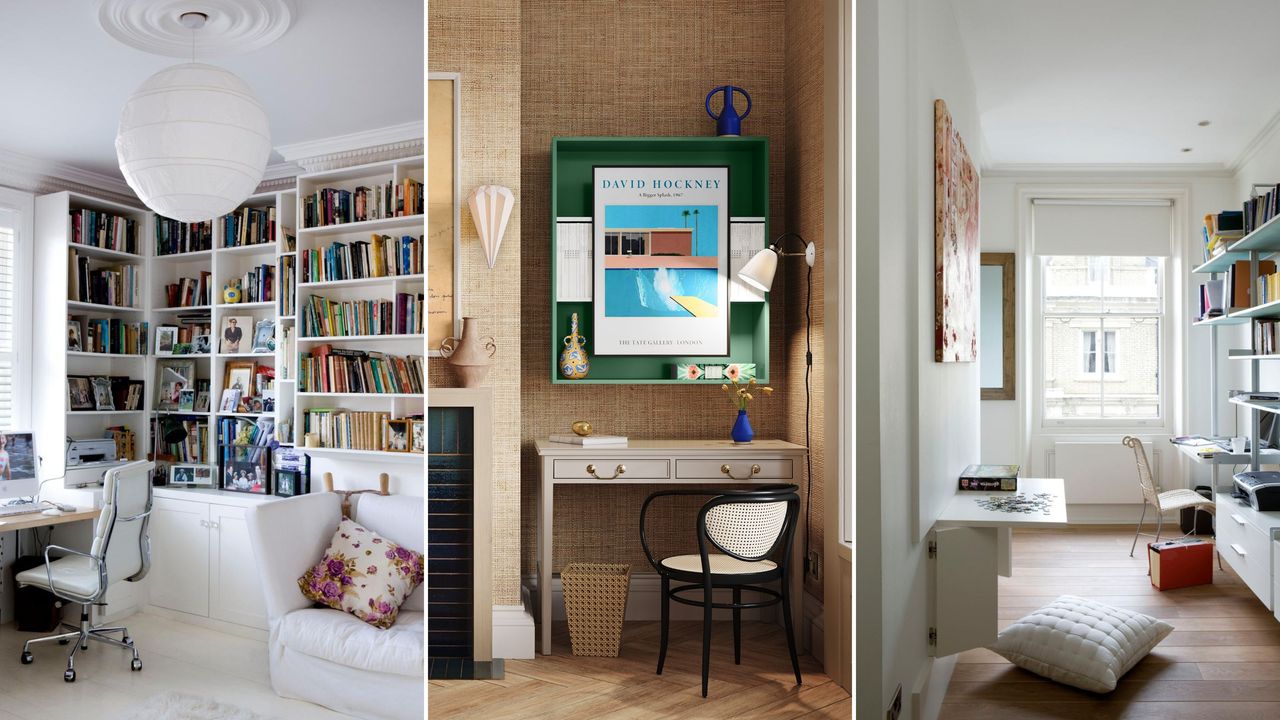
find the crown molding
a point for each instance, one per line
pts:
(24, 172)
(1175, 170)
(1255, 145)
(368, 146)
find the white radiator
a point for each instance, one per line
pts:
(1100, 472)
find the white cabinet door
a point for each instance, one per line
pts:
(235, 590)
(965, 596)
(179, 577)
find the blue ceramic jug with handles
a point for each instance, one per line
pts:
(728, 122)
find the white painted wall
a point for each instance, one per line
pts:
(928, 411)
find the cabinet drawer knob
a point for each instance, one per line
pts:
(727, 469)
(591, 470)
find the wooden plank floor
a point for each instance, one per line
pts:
(565, 687)
(1222, 660)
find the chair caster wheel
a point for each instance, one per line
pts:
(27, 659)
(127, 640)
(64, 641)
(69, 676)
(136, 665)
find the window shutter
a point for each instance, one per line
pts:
(8, 359)
(1142, 228)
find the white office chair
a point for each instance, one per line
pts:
(1163, 502)
(121, 551)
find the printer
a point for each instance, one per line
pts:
(1261, 488)
(91, 450)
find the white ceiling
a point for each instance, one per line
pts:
(343, 67)
(1121, 81)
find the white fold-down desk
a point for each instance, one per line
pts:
(970, 545)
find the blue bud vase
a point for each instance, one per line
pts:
(742, 433)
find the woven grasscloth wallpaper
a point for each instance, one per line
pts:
(649, 78)
(481, 40)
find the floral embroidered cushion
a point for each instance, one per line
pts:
(363, 574)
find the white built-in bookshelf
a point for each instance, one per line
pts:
(158, 262)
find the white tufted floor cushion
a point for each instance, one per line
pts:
(1082, 643)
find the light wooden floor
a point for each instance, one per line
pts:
(175, 657)
(1222, 661)
(564, 687)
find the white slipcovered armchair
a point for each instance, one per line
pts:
(327, 656)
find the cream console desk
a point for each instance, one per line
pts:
(664, 462)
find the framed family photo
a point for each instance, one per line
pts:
(395, 435)
(661, 260)
(166, 339)
(74, 343)
(79, 393)
(264, 336)
(102, 397)
(234, 332)
(240, 376)
(173, 377)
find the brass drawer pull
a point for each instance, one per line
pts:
(591, 470)
(728, 470)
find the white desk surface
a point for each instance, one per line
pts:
(1268, 456)
(669, 448)
(964, 511)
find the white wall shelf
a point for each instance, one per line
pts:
(364, 226)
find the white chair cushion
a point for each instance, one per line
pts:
(72, 574)
(1080, 642)
(720, 564)
(1171, 500)
(344, 639)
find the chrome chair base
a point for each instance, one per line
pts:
(82, 635)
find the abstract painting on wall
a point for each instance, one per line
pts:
(955, 234)
(661, 260)
(443, 309)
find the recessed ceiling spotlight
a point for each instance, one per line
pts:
(1203, 123)
(1186, 149)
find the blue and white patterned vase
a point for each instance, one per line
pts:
(573, 359)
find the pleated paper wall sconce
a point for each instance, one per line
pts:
(491, 209)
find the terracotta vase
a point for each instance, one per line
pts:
(470, 355)
(573, 359)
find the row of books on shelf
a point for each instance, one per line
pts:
(1264, 337)
(288, 283)
(335, 206)
(174, 237)
(259, 284)
(249, 226)
(1231, 292)
(1220, 230)
(340, 370)
(188, 291)
(380, 256)
(322, 317)
(245, 432)
(104, 230)
(1261, 207)
(364, 430)
(119, 285)
(194, 448)
(107, 336)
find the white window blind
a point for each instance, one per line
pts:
(1140, 228)
(8, 295)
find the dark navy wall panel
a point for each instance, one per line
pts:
(450, 479)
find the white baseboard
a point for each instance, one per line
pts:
(513, 631)
(931, 687)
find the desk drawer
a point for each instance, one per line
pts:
(636, 469)
(739, 468)
(1248, 550)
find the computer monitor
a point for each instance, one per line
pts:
(19, 474)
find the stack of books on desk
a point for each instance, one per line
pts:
(591, 440)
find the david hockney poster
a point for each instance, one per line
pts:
(661, 249)
(955, 235)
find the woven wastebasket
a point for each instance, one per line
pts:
(595, 599)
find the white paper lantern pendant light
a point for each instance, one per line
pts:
(193, 141)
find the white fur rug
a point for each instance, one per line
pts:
(176, 706)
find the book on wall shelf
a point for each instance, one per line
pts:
(1263, 205)
(340, 429)
(322, 317)
(288, 285)
(336, 206)
(93, 228)
(258, 284)
(328, 369)
(117, 285)
(188, 292)
(1236, 286)
(192, 449)
(174, 237)
(380, 256)
(109, 336)
(1220, 230)
(249, 226)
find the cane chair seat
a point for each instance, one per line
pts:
(719, 564)
(1171, 500)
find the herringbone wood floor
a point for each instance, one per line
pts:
(1222, 661)
(564, 687)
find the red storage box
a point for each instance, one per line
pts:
(1180, 563)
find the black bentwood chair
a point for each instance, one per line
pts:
(747, 526)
